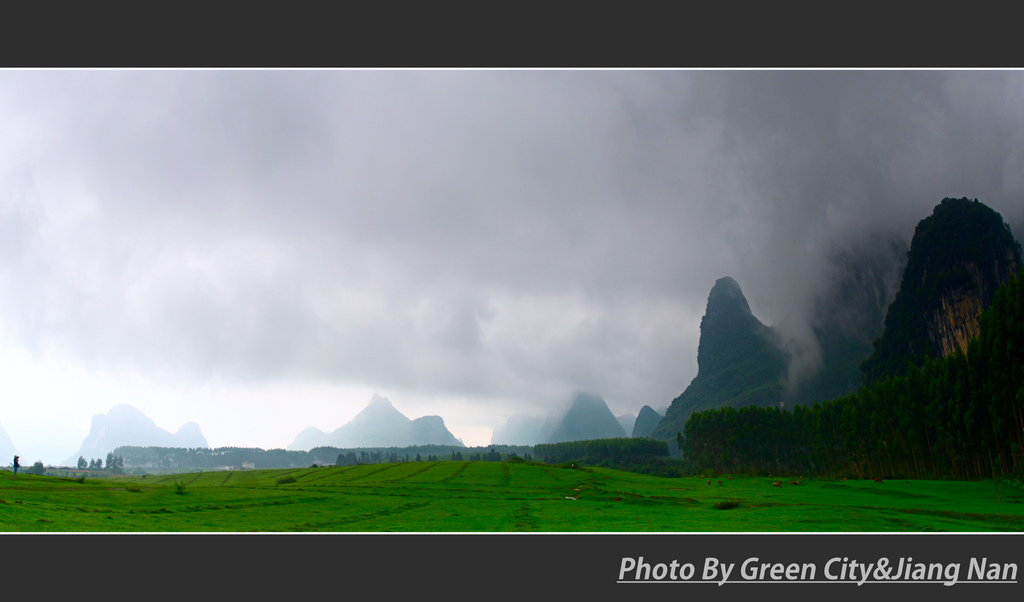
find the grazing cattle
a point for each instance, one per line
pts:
(794, 482)
(878, 480)
(719, 482)
(709, 481)
(777, 484)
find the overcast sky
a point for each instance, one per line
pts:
(261, 251)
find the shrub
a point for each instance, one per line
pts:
(285, 480)
(179, 487)
(726, 505)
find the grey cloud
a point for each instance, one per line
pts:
(495, 234)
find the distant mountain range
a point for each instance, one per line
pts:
(7, 449)
(378, 425)
(523, 429)
(646, 421)
(126, 425)
(885, 304)
(626, 421)
(587, 418)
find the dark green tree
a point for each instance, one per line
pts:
(115, 464)
(959, 417)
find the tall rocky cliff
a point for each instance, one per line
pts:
(959, 256)
(955, 320)
(738, 362)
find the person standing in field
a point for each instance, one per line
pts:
(16, 465)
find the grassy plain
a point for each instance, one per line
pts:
(452, 496)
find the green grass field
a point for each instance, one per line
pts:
(496, 497)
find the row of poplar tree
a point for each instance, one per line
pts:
(115, 464)
(960, 417)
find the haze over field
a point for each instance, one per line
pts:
(261, 252)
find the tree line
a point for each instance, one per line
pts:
(138, 458)
(188, 458)
(115, 464)
(620, 451)
(961, 417)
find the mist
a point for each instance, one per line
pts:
(262, 251)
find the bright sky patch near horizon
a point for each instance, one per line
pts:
(261, 251)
